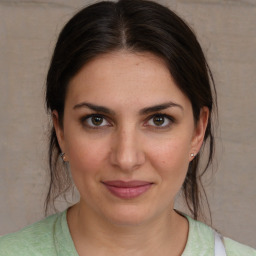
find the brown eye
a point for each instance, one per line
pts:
(158, 120)
(97, 120)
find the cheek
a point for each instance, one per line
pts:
(172, 153)
(85, 156)
(171, 161)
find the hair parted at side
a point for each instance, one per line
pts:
(135, 26)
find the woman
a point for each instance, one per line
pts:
(130, 96)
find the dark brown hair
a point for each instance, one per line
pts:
(136, 26)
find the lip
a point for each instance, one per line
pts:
(127, 189)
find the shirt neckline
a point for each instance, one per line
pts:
(71, 246)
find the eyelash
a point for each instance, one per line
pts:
(84, 121)
(170, 119)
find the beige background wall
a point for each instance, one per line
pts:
(28, 31)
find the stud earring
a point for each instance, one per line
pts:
(192, 154)
(62, 155)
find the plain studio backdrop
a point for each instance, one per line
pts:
(28, 32)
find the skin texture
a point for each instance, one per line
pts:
(128, 143)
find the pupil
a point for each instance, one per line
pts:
(96, 120)
(158, 120)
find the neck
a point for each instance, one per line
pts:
(166, 234)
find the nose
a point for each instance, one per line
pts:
(127, 150)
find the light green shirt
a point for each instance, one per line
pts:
(51, 237)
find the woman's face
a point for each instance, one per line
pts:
(128, 133)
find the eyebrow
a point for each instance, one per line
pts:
(96, 108)
(143, 111)
(159, 107)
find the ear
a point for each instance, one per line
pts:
(58, 130)
(199, 132)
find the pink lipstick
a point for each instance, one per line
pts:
(127, 190)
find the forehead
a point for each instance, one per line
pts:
(125, 78)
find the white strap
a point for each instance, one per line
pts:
(219, 246)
